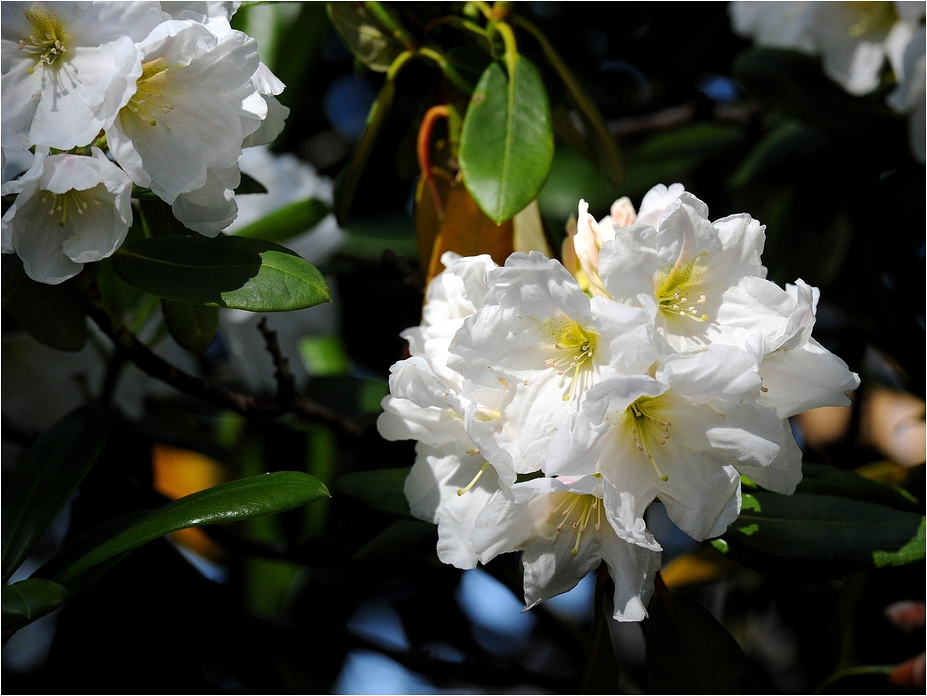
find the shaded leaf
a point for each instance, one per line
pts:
(379, 490)
(828, 480)
(287, 222)
(234, 272)
(601, 672)
(365, 36)
(249, 184)
(601, 147)
(350, 176)
(689, 652)
(50, 313)
(28, 600)
(507, 142)
(46, 478)
(237, 500)
(816, 535)
(192, 326)
(400, 540)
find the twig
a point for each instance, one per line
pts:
(157, 367)
(286, 382)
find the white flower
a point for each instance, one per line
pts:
(179, 123)
(68, 68)
(680, 270)
(565, 531)
(540, 338)
(680, 436)
(70, 210)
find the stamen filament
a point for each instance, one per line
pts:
(475, 479)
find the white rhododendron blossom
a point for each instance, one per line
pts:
(69, 210)
(548, 418)
(68, 68)
(176, 92)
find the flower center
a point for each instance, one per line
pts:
(676, 291)
(647, 430)
(47, 41)
(62, 204)
(574, 348)
(577, 511)
(148, 101)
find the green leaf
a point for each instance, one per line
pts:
(398, 542)
(237, 500)
(809, 535)
(234, 272)
(379, 490)
(287, 222)
(192, 326)
(28, 600)
(689, 652)
(46, 478)
(50, 313)
(507, 142)
(365, 36)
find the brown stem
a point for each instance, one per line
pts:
(152, 364)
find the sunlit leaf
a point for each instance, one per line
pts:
(689, 652)
(507, 143)
(379, 490)
(30, 599)
(192, 326)
(234, 272)
(237, 500)
(46, 478)
(50, 313)
(367, 38)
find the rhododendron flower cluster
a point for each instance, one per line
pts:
(170, 92)
(550, 414)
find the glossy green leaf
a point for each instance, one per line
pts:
(365, 35)
(234, 272)
(287, 222)
(50, 313)
(379, 490)
(192, 326)
(28, 600)
(689, 652)
(816, 535)
(237, 500)
(46, 478)
(507, 142)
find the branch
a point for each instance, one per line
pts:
(152, 364)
